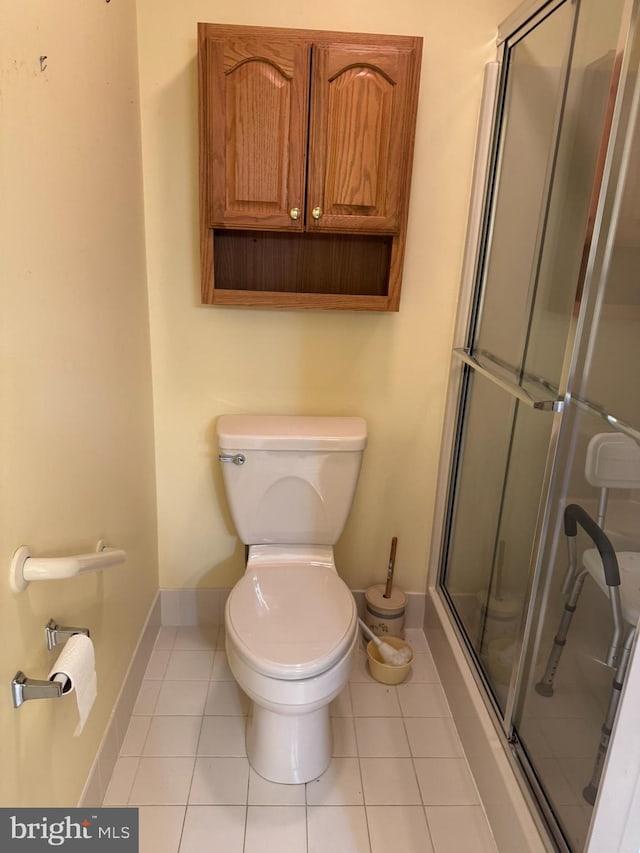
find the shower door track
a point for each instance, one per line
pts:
(545, 809)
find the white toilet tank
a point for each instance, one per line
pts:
(296, 476)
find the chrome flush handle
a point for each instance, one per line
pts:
(237, 459)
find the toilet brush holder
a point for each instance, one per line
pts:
(385, 616)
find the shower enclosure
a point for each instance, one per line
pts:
(540, 554)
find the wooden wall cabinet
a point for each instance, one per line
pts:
(306, 147)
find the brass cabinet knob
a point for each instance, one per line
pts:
(294, 213)
(316, 212)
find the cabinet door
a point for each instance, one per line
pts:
(361, 138)
(256, 125)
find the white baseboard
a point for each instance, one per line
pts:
(193, 606)
(106, 757)
(206, 606)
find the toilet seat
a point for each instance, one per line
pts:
(290, 621)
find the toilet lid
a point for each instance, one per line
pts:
(290, 621)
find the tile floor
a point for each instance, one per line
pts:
(398, 781)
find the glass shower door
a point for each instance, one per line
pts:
(584, 621)
(505, 416)
(493, 524)
(547, 378)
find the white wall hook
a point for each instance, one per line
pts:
(25, 568)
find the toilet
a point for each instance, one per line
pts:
(291, 621)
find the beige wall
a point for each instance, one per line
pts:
(76, 431)
(390, 369)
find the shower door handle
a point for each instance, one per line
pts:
(510, 387)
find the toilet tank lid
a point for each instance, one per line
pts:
(291, 432)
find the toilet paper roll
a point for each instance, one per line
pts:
(75, 669)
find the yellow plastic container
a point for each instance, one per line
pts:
(384, 672)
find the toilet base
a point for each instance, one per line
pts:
(289, 749)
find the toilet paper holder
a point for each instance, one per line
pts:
(23, 688)
(57, 634)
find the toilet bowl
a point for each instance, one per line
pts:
(291, 630)
(291, 621)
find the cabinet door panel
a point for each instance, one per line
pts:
(360, 137)
(256, 125)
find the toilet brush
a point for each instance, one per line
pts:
(394, 657)
(392, 560)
